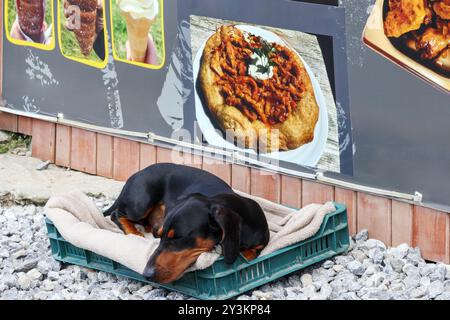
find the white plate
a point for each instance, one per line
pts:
(308, 154)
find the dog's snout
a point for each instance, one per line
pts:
(150, 273)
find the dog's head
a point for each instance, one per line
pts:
(195, 225)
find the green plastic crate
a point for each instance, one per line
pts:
(222, 281)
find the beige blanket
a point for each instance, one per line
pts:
(81, 223)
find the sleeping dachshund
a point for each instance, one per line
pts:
(192, 211)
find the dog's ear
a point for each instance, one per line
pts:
(189, 195)
(230, 223)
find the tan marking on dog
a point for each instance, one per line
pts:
(129, 227)
(171, 265)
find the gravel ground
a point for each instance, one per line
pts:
(368, 271)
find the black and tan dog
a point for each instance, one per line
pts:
(191, 211)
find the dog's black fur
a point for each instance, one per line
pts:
(192, 211)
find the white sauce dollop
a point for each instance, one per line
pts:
(260, 62)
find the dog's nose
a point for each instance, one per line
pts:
(149, 273)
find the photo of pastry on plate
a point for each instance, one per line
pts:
(82, 31)
(30, 21)
(421, 28)
(253, 86)
(265, 92)
(138, 31)
(415, 34)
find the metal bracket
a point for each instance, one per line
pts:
(151, 137)
(418, 197)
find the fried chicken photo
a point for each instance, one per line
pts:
(404, 16)
(422, 26)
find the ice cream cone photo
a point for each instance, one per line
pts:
(82, 31)
(30, 22)
(138, 32)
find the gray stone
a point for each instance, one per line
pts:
(371, 269)
(260, 295)
(19, 254)
(66, 294)
(411, 281)
(60, 296)
(375, 280)
(306, 279)
(410, 269)
(444, 296)
(34, 274)
(134, 286)
(328, 264)
(377, 294)
(338, 268)
(326, 291)
(142, 291)
(356, 268)
(48, 285)
(154, 294)
(10, 294)
(23, 281)
(447, 285)
(418, 292)
(4, 253)
(102, 276)
(342, 260)
(291, 292)
(358, 255)
(43, 165)
(4, 136)
(363, 235)
(374, 243)
(310, 292)
(348, 296)
(414, 256)
(396, 264)
(438, 273)
(80, 295)
(294, 281)
(427, 269)
(397, 286)
(425, 281)
(53, 276)
(26, 265)
(376, 254)
(402, 251)
(8, 280)
(353, 286)
(435, 289)
(41, 295)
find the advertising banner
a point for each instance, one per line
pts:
(357, 90)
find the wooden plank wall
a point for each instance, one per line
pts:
(388, 220)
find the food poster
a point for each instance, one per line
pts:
(356, 89)
(135, 65)
(268, 89)
(92, 74)
(414, 35)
